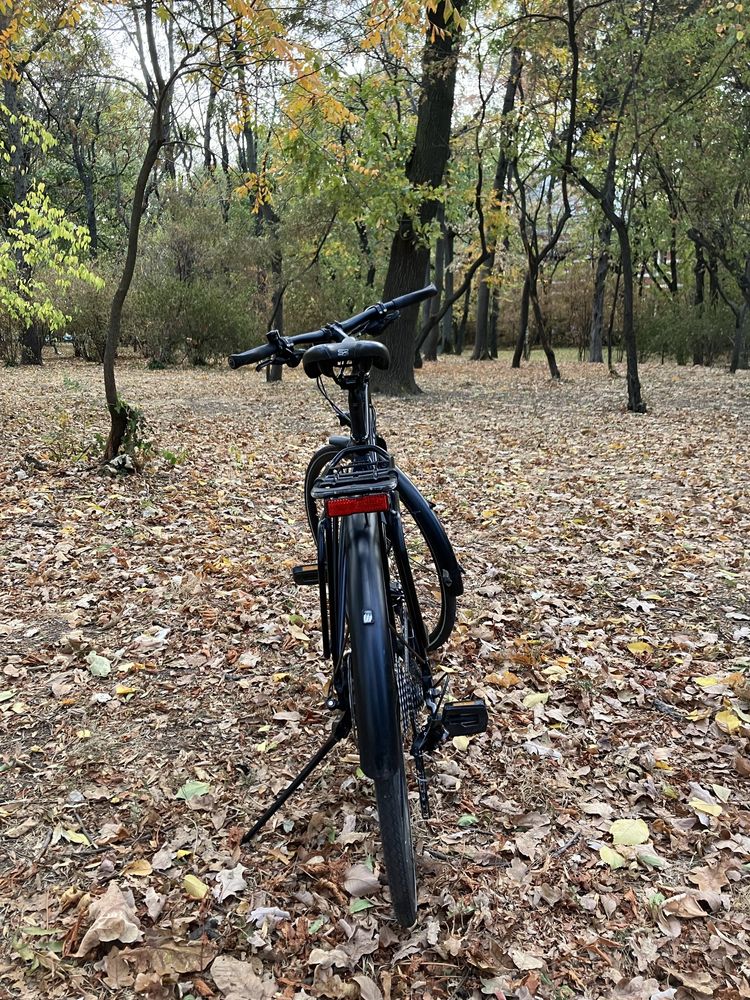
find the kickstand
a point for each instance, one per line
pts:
(341, 731)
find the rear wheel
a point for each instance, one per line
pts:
(375, 697)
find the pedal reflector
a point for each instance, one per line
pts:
(463, 718)
(305, 576)
(341, 506)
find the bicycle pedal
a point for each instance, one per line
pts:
(306, 575)
(464, 718)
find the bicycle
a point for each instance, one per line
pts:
(378, 622)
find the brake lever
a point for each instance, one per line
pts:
(379, 324)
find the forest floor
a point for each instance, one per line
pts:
(160, 678)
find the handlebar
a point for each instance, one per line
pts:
(327, 334)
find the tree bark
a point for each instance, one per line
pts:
(431, 344)
(600, 285)
(523, 324)
(120, 413)
(447, 333)
(498, 191)
(409, 255)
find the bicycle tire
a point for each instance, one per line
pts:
(436, 600)
(375, 705)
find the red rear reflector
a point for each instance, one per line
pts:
(357, 505)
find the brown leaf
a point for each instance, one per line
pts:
(239, 981)
(360, 881)
(367, 988)
(113, 919)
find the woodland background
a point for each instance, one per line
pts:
(178, 177)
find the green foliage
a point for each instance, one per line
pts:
(675, 328)
(42, 252)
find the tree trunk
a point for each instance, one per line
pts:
(431, 344)
(523, 325)
(541, 328)
(635, 403)
(120, 413)
(494, 316)
(699, 273)
(270, 222)
(740, 333)
(498, 190)
(600, 285)
(366, 249)
(446, 340)
(426, 166)
(461, 332)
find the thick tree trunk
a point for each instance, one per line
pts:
(600, 285)
(426, 166)
(523, 325)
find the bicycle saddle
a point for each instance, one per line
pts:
(324, 358)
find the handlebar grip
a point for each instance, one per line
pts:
(411, 298)
(251, 357)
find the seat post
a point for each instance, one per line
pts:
(359, 407)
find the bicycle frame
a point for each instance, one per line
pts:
(340, 541)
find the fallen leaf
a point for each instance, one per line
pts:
(536, 698)
(629, 832)
(524, 960)
(139, 868)
(113, 919)
(360, 881)
(239, 981)
(711, 808)
(611, 857)
(99, 666)
(368, 989)
(193, 788)
(193, 887)
(727, 721)
(639, 646)
(229, 882)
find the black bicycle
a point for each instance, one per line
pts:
(388, 580)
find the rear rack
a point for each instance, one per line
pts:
(357, 470)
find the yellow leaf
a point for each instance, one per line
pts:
(461, 742)
(122, 689)
(611, 857)
(491, 512)
(182, 853)
(629, 832)
(640, 647)
(705, 682)
(727, 721)
(712, 808)
(139, 868)
(83, 734)
(194, 887)
(697, 714)
(76, 838)
(506, 679)
(537, 698)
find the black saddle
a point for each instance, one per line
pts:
(323, 359)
